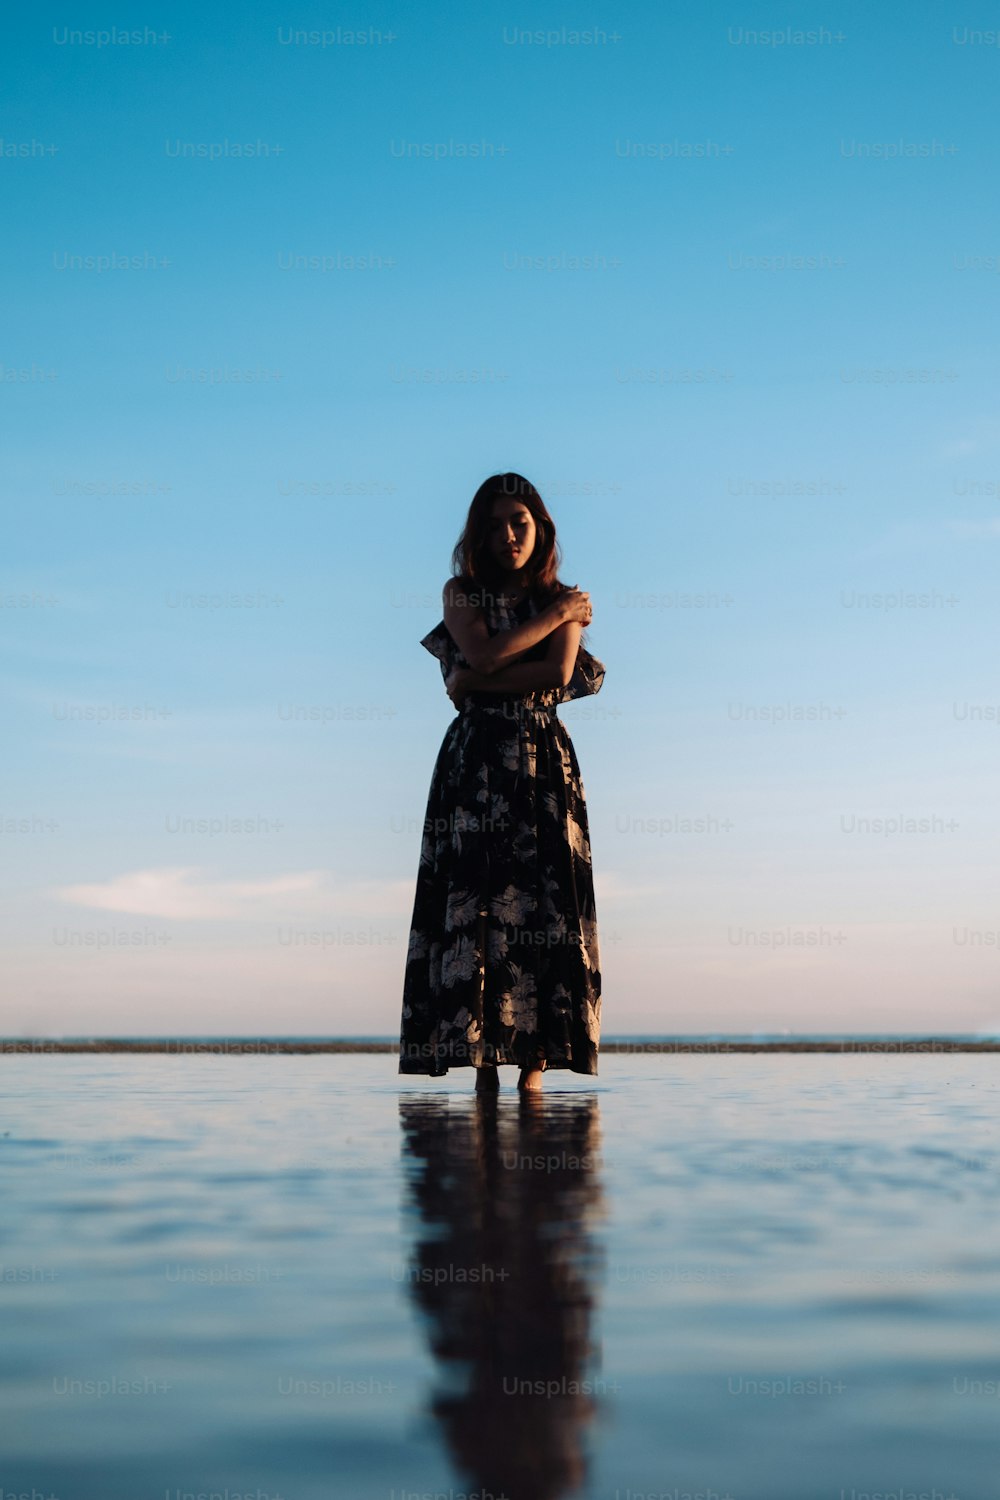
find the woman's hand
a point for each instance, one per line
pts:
(458, 683)
(574, 605)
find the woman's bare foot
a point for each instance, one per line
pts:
(487, 1079)
(530, 1081)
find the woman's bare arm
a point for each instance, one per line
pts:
(555, 670)
(522, 677)
(563, 648)
(486, 654)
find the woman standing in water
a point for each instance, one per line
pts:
(503, 964)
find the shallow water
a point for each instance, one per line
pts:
(302, 1276)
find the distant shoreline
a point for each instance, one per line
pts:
(248, 1046)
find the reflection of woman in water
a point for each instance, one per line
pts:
(503, 964)
(505, 1268)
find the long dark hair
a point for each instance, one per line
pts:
(473, 562)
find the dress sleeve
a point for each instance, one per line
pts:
(588, 675)
(440, 644)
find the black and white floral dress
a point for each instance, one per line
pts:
(503, 964)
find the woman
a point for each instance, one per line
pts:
(503, 964)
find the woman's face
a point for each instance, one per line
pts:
(512, 534)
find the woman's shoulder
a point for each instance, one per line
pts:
(544, 596)
(458, 583)
(463, 591)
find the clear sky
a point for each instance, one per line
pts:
(279, 298)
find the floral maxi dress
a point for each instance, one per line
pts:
(503, 964)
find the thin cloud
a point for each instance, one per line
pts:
(184, 893)
(611, 887)
(927, 535)
(983, 441)
(988, 527)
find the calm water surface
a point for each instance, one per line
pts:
(748, 1276)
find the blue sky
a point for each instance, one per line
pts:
(726, 294)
